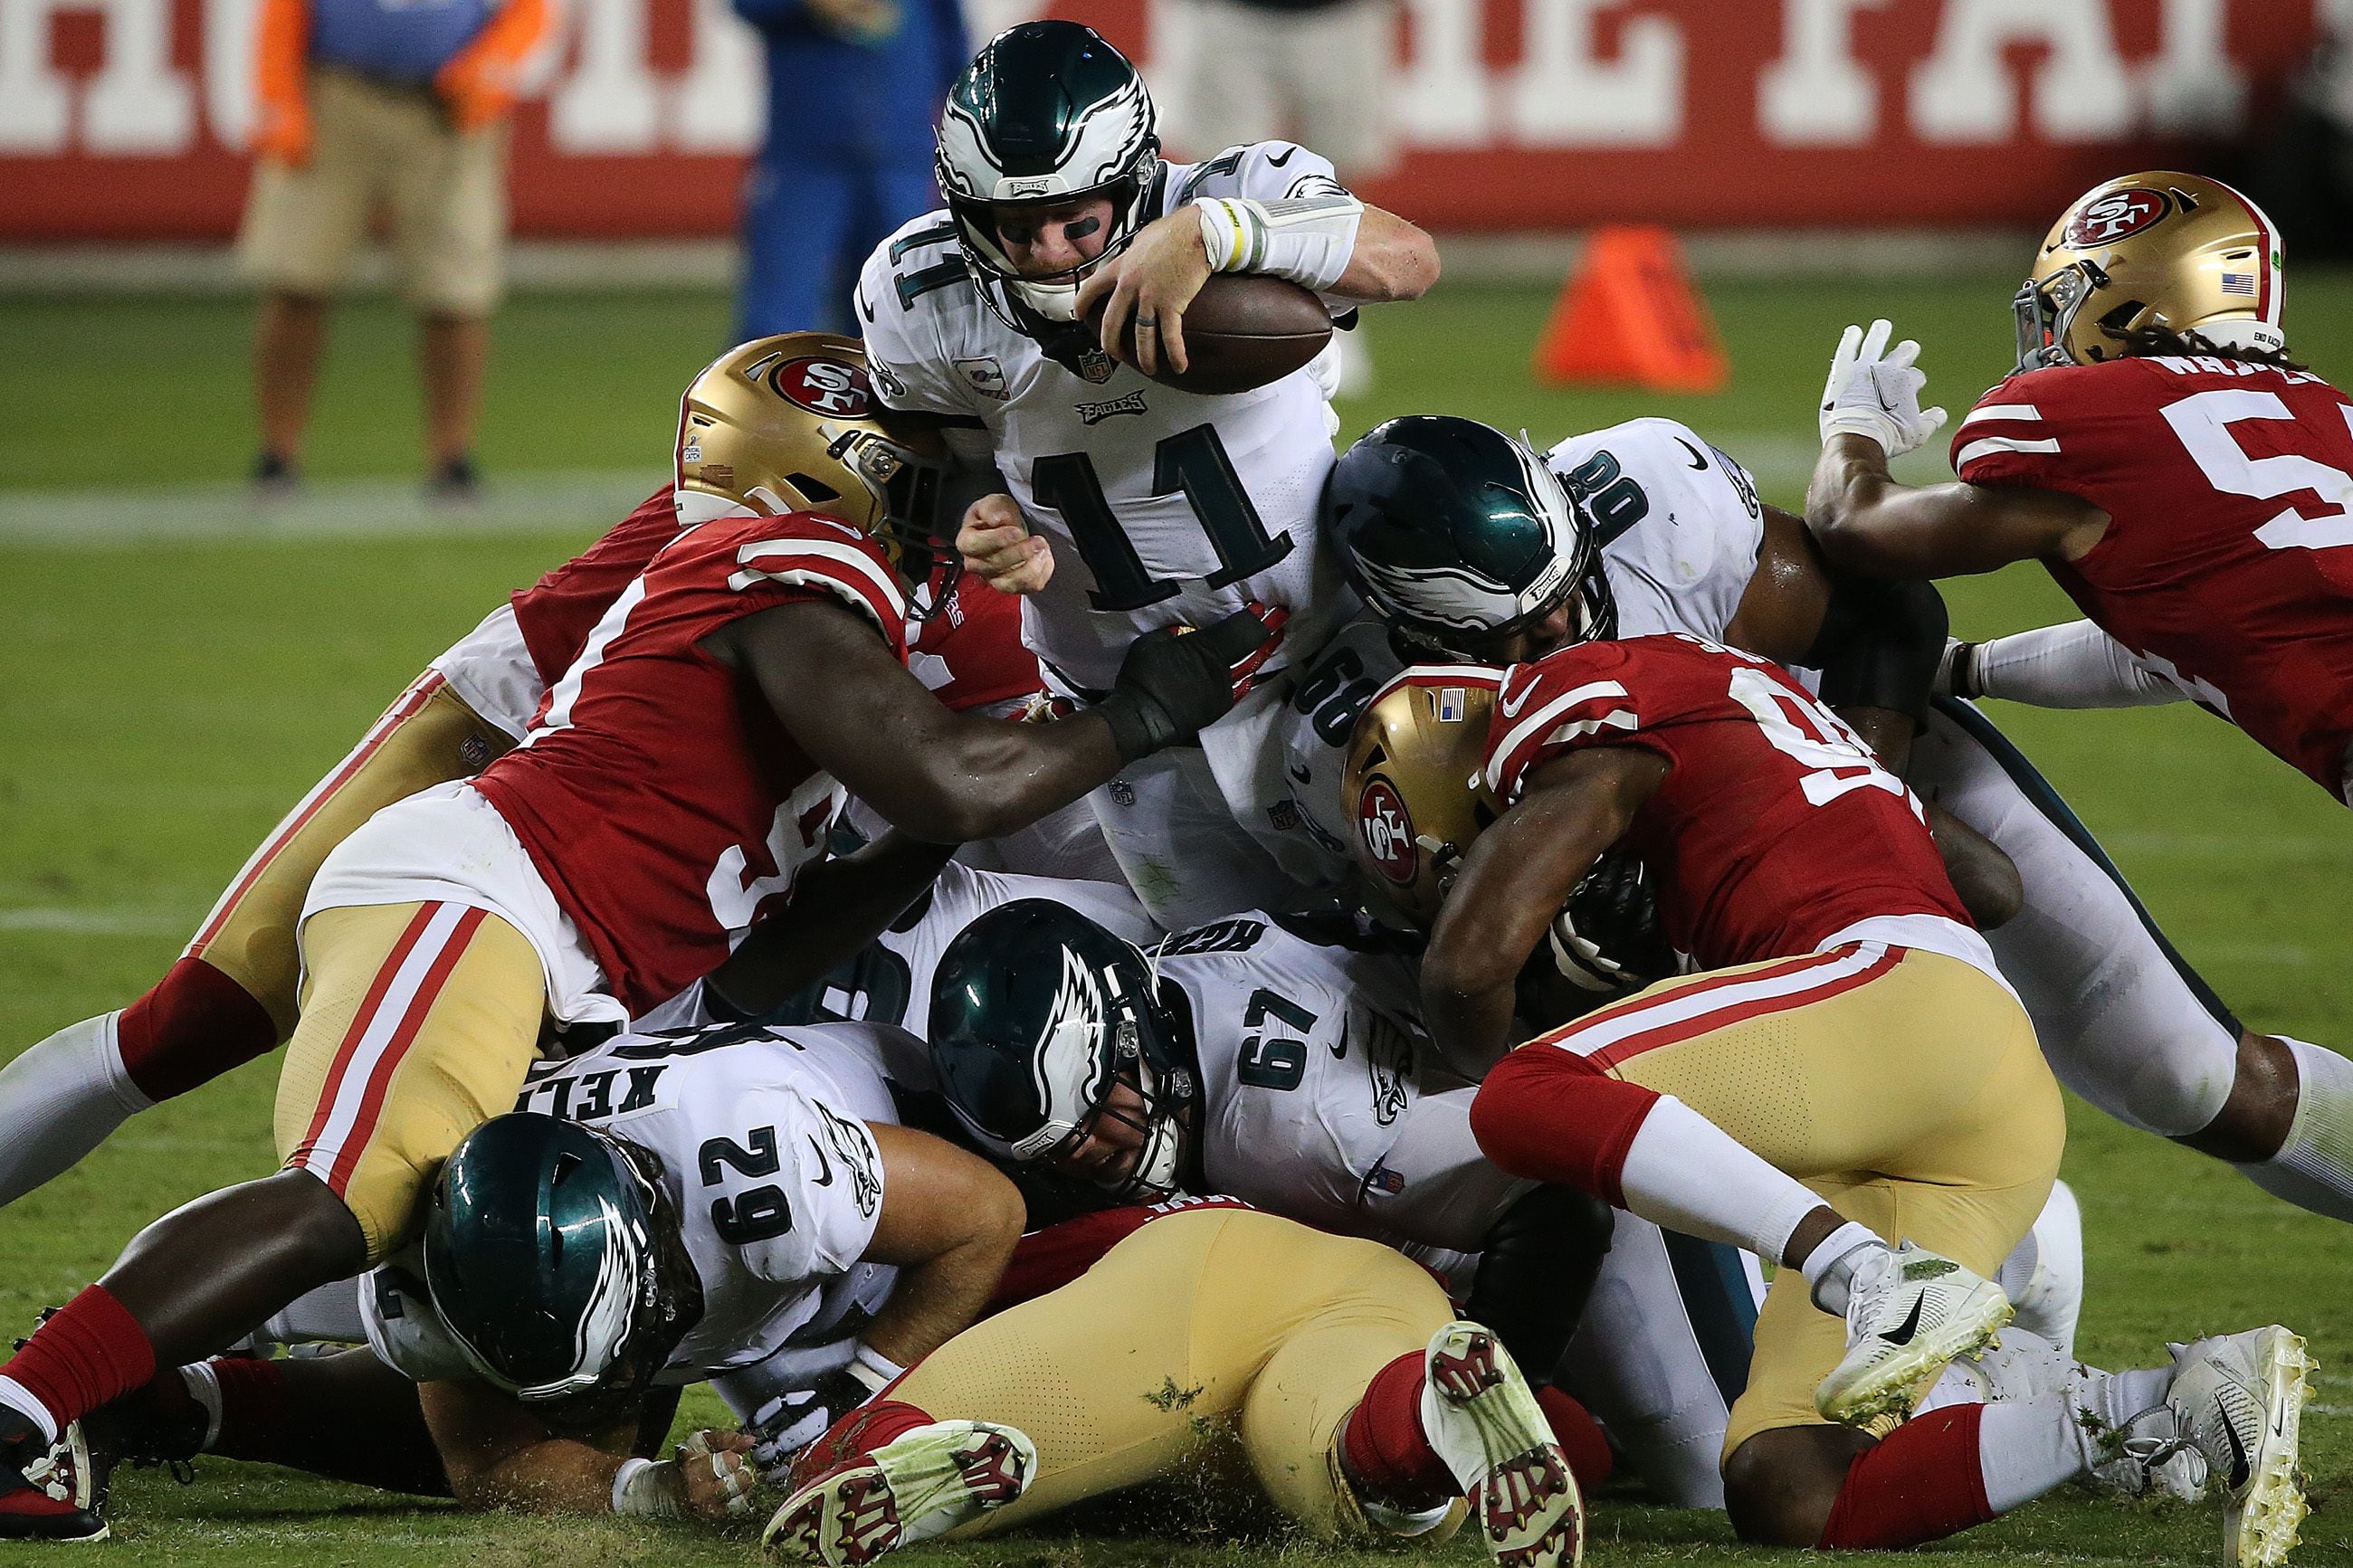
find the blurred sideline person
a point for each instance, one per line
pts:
(679, 776)
(2187, 485)
(231, 995)
(368, 105)
(853, 86)
(1319, 72)
(1151, 506)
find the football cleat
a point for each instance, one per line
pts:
(1908, 1312)
(914, 1488)
(29, 1511)
(2240, 1399)
(1482, 1419)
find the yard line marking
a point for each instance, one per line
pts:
(388, 508)
(99, 921)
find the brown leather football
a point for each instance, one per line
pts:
(1241, 332)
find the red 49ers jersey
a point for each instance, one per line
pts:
(1775, 827)
(970, 654)
(662, 803)
(556, 614)
(2228, 560)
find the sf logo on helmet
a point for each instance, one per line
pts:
(1388, 831)
(825, 387)
(2114, 216)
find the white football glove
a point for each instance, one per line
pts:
(1875, 392)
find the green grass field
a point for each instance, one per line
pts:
(164, 700)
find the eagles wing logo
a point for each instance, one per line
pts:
(1389, 1057)
(853, 1155)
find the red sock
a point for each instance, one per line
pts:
(1920, 1483)
(1549, 1115)
(1383, 1446)
(854, 1437)
(1579, 1437)
(195, 1026)
(91, 1351)
(256, 1417)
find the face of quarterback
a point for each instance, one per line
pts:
(1046, 241)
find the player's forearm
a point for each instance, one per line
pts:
(1471, 1025)
(837, 907)
(1393, 260)
(559, 1475)
(933, 1303)
(987, 777)
(2075, 665)
(1847, 505)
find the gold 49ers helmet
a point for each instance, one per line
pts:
(1414, 777)
(2175, 253)
(791, 423)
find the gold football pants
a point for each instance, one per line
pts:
(418, 1022)
(1199, 1328)
(428, 737)
(1905, 1086)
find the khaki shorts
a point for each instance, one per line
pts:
(1908, 1091)
(1324, 78)
(380, 147)
(428, 737)
(418, 1024)
(1201, 1331)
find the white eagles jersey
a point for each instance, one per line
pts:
(890, 980)
(761, 1135)
(1321, 1098)
(1162, 506)
(1678, 522)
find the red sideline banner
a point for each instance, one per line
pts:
(122, 120)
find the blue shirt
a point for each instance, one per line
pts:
(829, 94)
(394, 40)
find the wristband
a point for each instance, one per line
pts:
(642, 1488)
(1138, 727)
(1962, 660)
(1306, 239)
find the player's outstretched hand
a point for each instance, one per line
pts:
(997, 547)
(1152, 282)
(1175, 682)
(718, 1479)
(1874, 391)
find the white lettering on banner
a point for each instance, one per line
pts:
(1443, 97)
(611, 102)
(1565, 95)
(1964, 92)
(1818, 94)
(229, 32)
(717, 105)
(138, 103)
(2192, 88)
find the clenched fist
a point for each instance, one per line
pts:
(997, 546)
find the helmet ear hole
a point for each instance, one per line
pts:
(814, 490)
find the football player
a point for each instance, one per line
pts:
(1262, 1057)
(1330, 1362)
(771, 1229)
(675, 781)
(1465, 550)
(231, 997)
(1847, 1069)
(2187, 485)
(1149, 506)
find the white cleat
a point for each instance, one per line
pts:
(917, 1486)
(1909, 1312)
(1482, 1419)
(2050, 1298)
(2240, 1399)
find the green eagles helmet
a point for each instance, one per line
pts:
(550, 1253)
(1048, 112)
(1455, 534)
(1036, 1012)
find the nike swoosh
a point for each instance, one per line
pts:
(1340, 1051)
(1696, 460)
(864, 309)
(2240, 1467)
(1298, 774)
(825, 1180)
(1910, 1325)
(1512, 709)
(1274, 162)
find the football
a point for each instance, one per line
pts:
(1241, 332)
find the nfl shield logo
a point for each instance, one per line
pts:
(1122, 793)
(1450, 705)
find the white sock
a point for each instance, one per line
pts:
(2313, 1169)
(204, 1387)
(1830, 1268)
(19, 1398)
(2027, 1446)
(1685, 1173)
(59, 1100)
